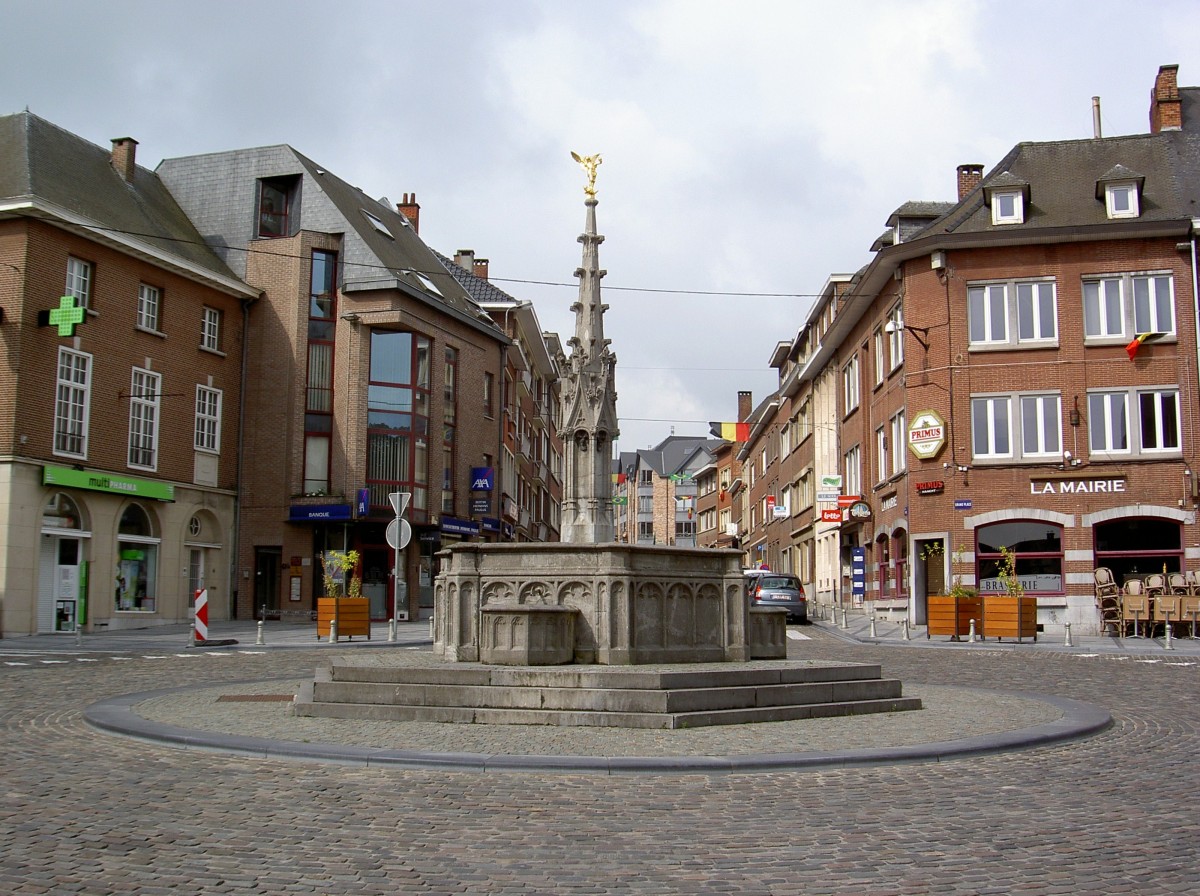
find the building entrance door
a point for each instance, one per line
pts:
(267, 562)
(58, 588)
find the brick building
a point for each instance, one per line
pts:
(121, 337)
(656, 491)
(530, 465)
(1015, 368)
(371, 371)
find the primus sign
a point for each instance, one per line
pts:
(927, 435)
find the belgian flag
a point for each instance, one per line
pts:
(1132, 348)
(731, 432)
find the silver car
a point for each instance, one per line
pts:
(775, 589)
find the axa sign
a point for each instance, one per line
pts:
(927, 435)
(483, 479)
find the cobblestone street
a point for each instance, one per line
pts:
(86, 812)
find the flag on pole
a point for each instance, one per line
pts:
(1132, 348)
(731, 432)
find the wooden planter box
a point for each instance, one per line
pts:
(947, 615)
(353, 616)
(1010, 617)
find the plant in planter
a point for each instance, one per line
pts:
(338, 566)
(1009, 613)
(951, 614)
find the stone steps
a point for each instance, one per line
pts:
(637, 697)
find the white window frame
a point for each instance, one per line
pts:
(1007, 418)
(1042, 439)
(145, 399)
(881, 454)
(1015, 214)
(896, 336)
(149, 307)
(881, 367)
(1150, 307)
(1112, 195)
(1161, 398)
(208, 419)
(852, 467)
(1118, 415)
(210, 329)
(72, 403)
(899, 434)
(79, 280)
(851, 386)
(1004, 314)
(1134, 300)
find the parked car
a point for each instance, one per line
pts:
(774, 589)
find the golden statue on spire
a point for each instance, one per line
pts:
(589, 164)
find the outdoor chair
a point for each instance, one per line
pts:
(1156, 584)
(1108, 599)
(1189, 610)
(1177, 583)
(1167, 612)
(1135, 607)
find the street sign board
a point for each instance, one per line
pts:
(828, 497)
(962, 503)
(848, 500)
(399, 501)
(398, 534)
(831, 516)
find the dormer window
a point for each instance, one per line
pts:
(1008, 207)
(1121, 190)
(1008, 197)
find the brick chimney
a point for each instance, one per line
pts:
(408, 207)
(1166, 110)
(745, 406)
(465, 258)
(124, 157)
(969, 177)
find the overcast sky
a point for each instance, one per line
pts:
(748, 147)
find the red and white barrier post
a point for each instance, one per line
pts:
(200, 622)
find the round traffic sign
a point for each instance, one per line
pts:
(399, 534)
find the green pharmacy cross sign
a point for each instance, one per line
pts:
(66, 316)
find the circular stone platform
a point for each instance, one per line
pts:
(955, 722)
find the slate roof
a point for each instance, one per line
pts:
(1061, 179)
(41, 161)
(477, 288)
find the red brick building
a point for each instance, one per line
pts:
(371, 371)
(121, 337)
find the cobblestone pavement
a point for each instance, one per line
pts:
(85, 812)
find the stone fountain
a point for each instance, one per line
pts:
(590, 631)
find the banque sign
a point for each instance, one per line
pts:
(927, 435)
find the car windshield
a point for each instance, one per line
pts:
(777, 582)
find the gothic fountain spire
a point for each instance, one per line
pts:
(589, 396)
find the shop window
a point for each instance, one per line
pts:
(1037, 547)
(137, 562)
(1135, 547)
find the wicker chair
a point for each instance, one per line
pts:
(1108, 599)
(1135, 607)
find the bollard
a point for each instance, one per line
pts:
(78, 633)
(1067, 639)
(844, 623)
(906, 634)
(1167, 644)
(258, 640)
(332, 631)
(391, 631)
(971, 636)
(872, 625)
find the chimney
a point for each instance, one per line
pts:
(408, 207)
(465, 259)
(745, 406)
(969, 177)
(1166, 110)
(124, 157)
(481, 268)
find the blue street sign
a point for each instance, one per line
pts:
(858, 571)
(962, 503)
